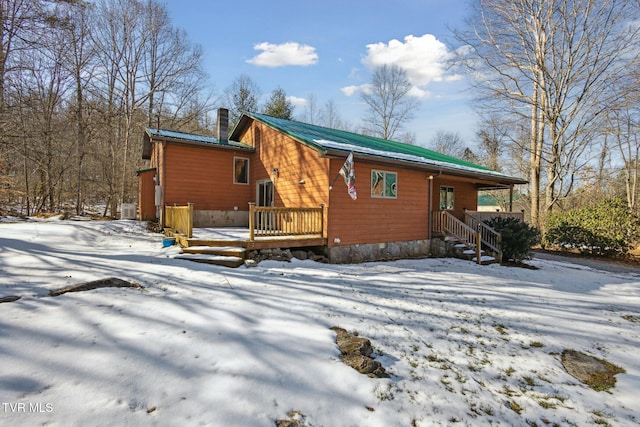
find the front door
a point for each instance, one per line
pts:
(265, 193)
(264, 198)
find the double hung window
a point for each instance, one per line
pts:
(446, 198)
(240, 170)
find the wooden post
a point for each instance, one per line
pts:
(479, 246)
(190, 220)
(252, 207)
(511, 198)
(322, 230)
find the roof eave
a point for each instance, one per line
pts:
(180, 141)
(438, 169)
(243, 123)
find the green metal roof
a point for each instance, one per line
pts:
(491, 200)
(326, 139)
(192, 137)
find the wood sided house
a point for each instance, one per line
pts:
(282, 179)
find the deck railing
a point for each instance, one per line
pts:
(488, 236)
(444, 222)
(180, 218)
(274, 222)
(472, 231)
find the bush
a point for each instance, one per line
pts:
(609, 228)
(517, 237)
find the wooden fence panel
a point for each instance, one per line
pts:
(180, 218)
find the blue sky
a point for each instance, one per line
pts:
(328, 48)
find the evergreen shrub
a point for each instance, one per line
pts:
(518, 237)
(608, 228)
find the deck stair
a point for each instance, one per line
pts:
(467, 251)
(460, 239)
(226, 256)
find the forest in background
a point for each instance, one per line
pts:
(80, 80)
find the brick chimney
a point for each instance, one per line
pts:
(222, 125)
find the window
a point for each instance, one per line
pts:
(446, 198)
(383, 184)
(240, 170)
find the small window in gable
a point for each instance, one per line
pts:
(240, 170)
(384, 184)
(446, 198)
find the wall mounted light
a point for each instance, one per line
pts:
(274, 171)
(302, 182)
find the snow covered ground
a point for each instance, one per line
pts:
(206, 345)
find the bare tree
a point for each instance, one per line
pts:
(330, 116)
(408, 138)
(171, 62)
(389, 104)
(553, 62)
(78, 82)
(449, 143)
(492, 137)
(624, 126)
(311, 114)
(44, 89)
(19, 27)
(242, 96)
(144, 60)
(74, 22)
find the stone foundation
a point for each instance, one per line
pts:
(439, 248)
(378, 251)
(204, 219)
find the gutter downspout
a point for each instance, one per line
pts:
(162, 184)
(430, 207)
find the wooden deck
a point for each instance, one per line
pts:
(240, 238)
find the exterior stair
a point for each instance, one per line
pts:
(225, 256)
(467, 251)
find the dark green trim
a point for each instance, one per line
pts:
(141, 171)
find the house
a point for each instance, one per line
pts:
(500, 201)
(404, 192)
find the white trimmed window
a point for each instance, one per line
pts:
(446, 198)
(240, 170)
(384, 184)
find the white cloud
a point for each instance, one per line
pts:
(280, 55)
(415, 91)
(424, 58)
(297, 101)
(350, 90)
